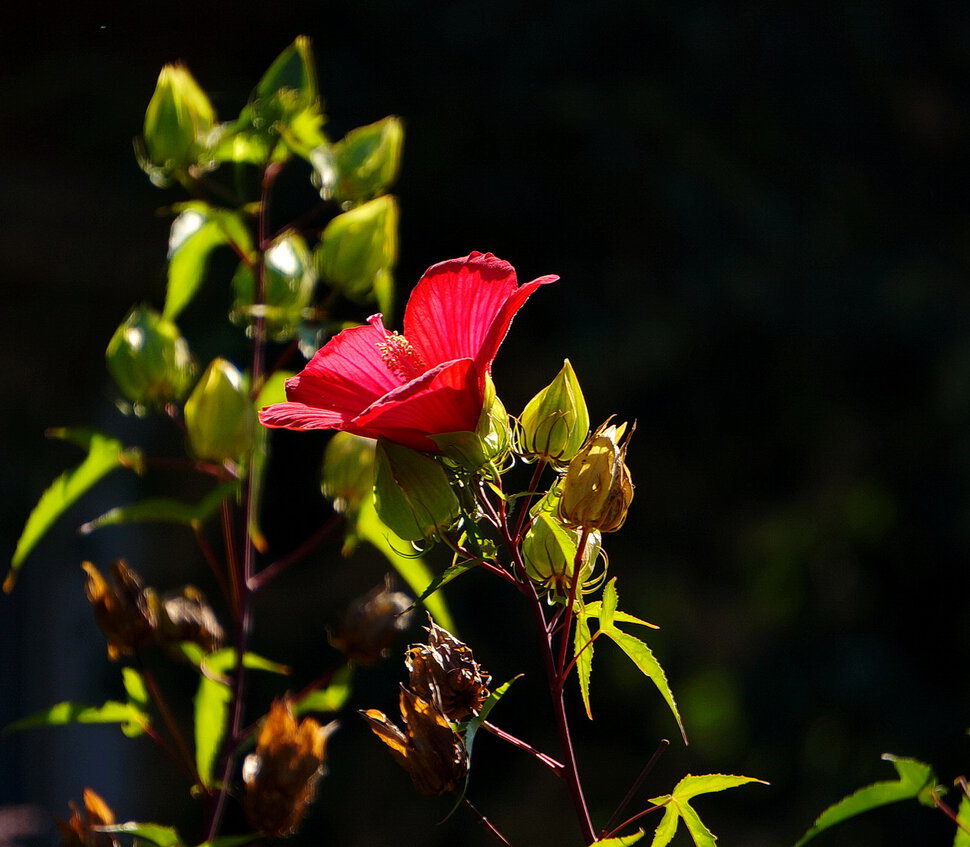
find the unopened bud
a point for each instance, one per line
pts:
(358, 249)
(549, 550)
(348, 471)
(149, 359)
(288, 283)
(178, 121)
(493, 425)
(368, 159)
(412, 493)
(281, 776)
(555, 423)
(219, 416)
(597, 489)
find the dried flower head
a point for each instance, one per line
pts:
(125, 610)
(445, 672)
(186, 616)
(371, 623)
(80, 831)
(428, 749)
(281, 776)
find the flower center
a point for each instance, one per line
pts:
(400, 357)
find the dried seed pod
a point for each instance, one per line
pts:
(125, 610)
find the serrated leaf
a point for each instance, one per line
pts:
(677, 807)
(583, 651)
(412, 569)
(593, 611)
(211, 704)
(914, 779)
(608, 605)
(621, 840)
(104, 455)
(329, 699)
(162, 836)
(447, 575)
(67, 712)
(164, 510)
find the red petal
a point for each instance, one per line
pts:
(347, 374)
(462, 308)
(301, 416)
(445, 399)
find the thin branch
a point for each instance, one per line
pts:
(260, 580)
(556, 767)
(486, 823)
(649, 766)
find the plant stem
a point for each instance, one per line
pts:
(538, 755)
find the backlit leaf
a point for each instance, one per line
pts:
(411, 568)
(962, 838)
(164, 510)
(66, 713)
(162, 836)
(916, 781)
(329, 699)
(583, 651)
(677, 807)
(104, 455)
(622, 840)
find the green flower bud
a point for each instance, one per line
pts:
(149, 359)
(597, 489)
(219, 416)
(359, 248)
(412, 493)
(178, 121)
(289, 280)
(493, 425)
(549, 550)
(348, 471)
(368, 159)
(555, 423)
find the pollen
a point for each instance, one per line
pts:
(400, 357)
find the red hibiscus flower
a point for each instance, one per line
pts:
(429, 380)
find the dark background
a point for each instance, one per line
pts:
(760, 219)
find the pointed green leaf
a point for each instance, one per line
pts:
(915, 780)
(162, 836)
(66, 713)
(593, 611)
(678, 807)
(329, 699)
(232, 840)
(137, 693)
(411, 568)
(583, 651)
(164, 510)
(622, 840)
(608, 605)
(212, 701)
(643, 658)
(442, 579)
(104, 455)
(196, 232)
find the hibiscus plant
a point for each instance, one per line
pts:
(423, 453)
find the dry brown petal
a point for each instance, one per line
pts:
(371, 624)
(79, 831)
(281, 776)
(188, 617)
(126, 612)
(445, 671)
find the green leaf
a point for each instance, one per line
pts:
(962, 838)
(593, 611)
(471, 730)
(583, 651)
(138, 698)
(164, 510)
(66, 713)
(608, 605)
(273, 391)
(104, 455)
(622, 840)
(411, 568)
(163, 836)
(196, 232)
(232, 840)
(639, 653)
(916, 781)
(329, 699)
(677, 807)
(442, 579)
(212, 701)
